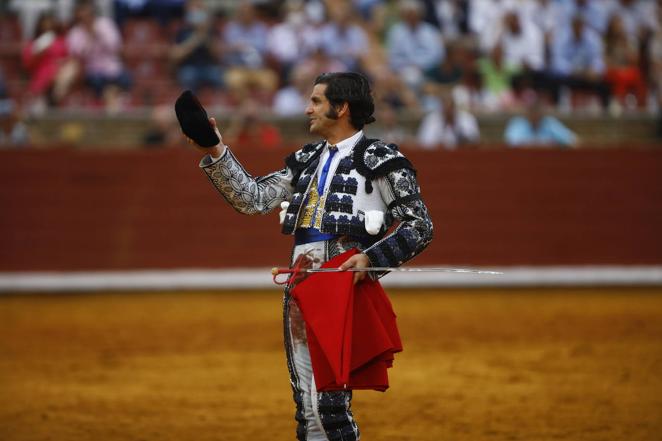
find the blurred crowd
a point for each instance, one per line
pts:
(445, 60)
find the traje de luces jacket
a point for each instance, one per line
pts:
(374, 176)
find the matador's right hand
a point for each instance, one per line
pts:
(197, 126)
(215, 151)
(219, 148)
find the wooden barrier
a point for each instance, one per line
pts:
(65, 209)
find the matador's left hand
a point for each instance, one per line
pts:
(357, 261)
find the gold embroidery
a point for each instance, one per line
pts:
(319, 213)
(306, 219)
(314, 209)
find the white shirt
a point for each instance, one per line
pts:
(486, 20)
(526, 48)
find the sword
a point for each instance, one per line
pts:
(276, 271)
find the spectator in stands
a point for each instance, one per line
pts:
(457, 73)
(450, 16)
(536, 128)
(367, 9)
(317, 63)
(381, 16)
(290, 99)
(374, 61)
(389, 128)
(163, 129)
(244, 50)
(316, 11)
(46, 59)
(448, 127)
(164, 11)
(639, 17)
(496, 79)
(391, 90)
(13, 132)
(522, 42)
(249, 129)
(451, 68)
(578, 62)
(342, 38)
(413, 45)
(196, 52)
(292, 39)
(594, 13)
(486, 20)
(129, 8)
(548, 16)
(29, 13)
(523, 48)
(622, 60)
(97, 44)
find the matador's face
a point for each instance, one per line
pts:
(320, 112)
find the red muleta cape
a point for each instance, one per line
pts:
(351, 329)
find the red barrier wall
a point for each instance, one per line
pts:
(84, 210)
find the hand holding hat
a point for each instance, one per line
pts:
(195, 123)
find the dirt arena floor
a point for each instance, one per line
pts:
(478, 365)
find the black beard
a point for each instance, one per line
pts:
(332, 113)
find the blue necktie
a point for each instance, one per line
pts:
(325, 170)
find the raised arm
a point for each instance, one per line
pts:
(246, 194)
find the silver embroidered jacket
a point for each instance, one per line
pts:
(375, 176)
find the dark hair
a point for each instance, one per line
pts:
(43, 17)
(351, 88)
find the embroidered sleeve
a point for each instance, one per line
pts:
(246, 194)
(400, 191)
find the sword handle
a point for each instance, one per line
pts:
(276, 271)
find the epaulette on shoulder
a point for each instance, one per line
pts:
(300, 159)
(374, 158)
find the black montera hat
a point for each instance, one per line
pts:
(194, 121)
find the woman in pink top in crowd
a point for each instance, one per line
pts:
(96, 43)
(46, 58)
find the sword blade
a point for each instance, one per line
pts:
(401, 269)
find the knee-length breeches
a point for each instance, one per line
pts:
(320, 416)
